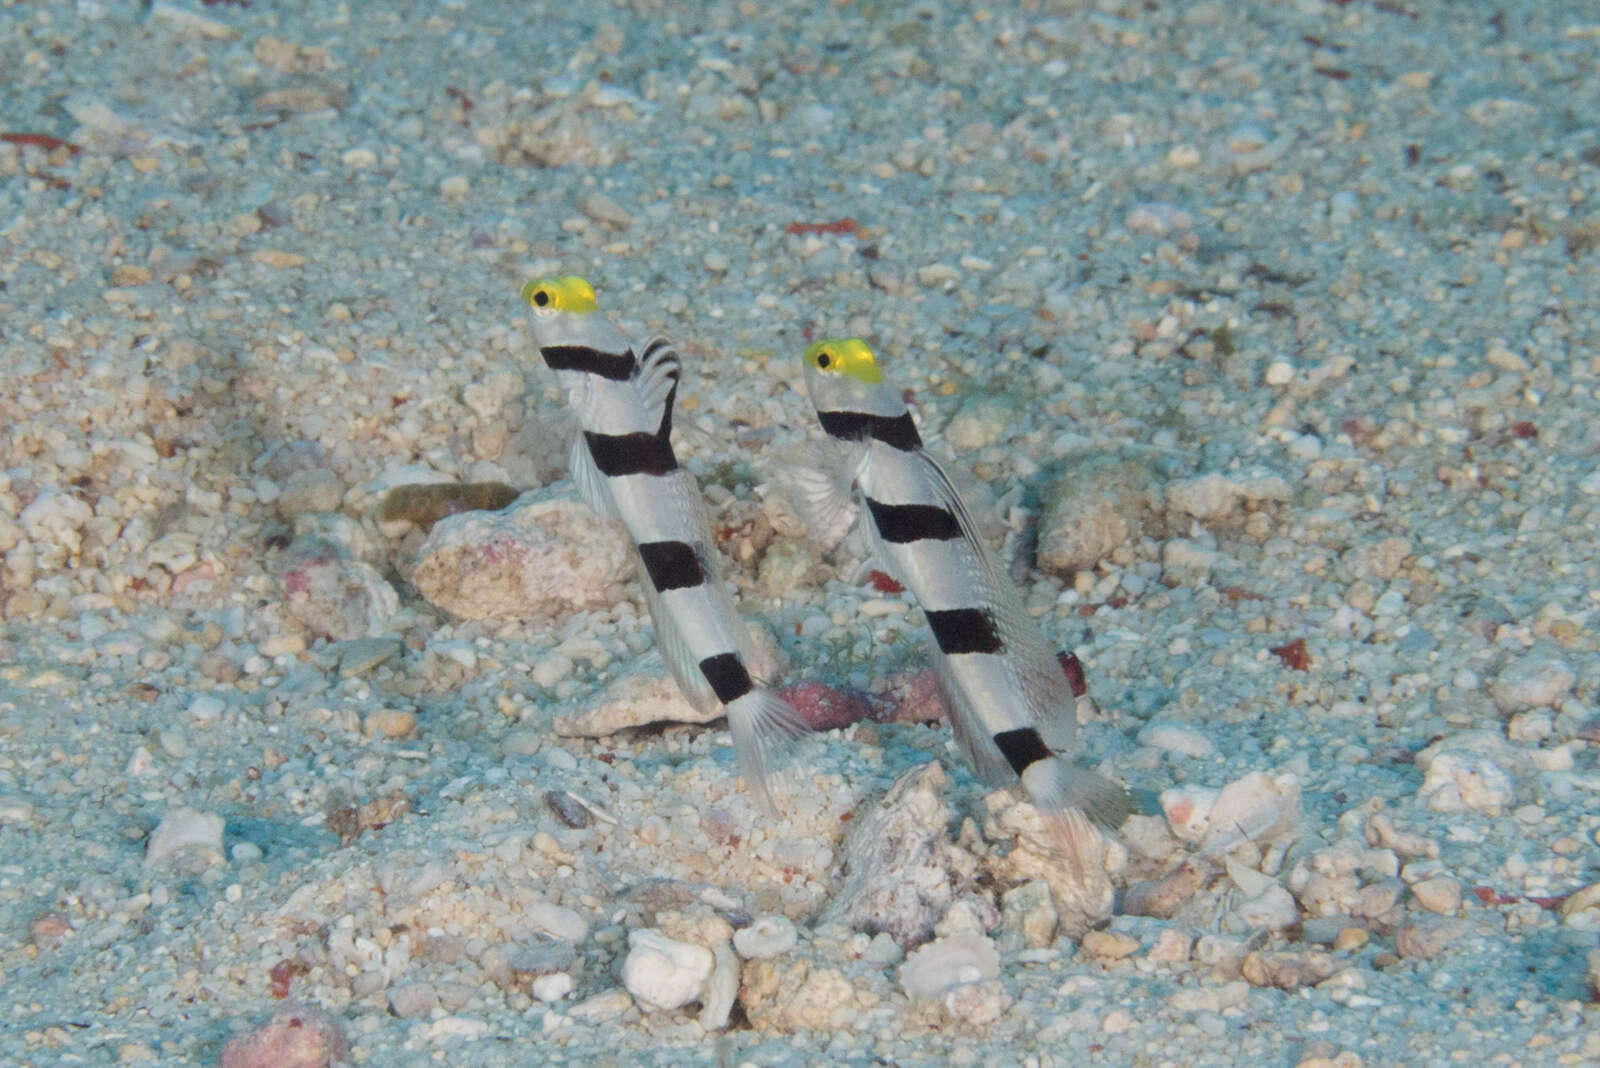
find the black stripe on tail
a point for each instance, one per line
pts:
(902, 523)
(727, 675)
(964, 630)
(1022, 748)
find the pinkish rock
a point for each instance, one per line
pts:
(334, 596)
(824, 708)
(911, 697)
(540, 557)
(297, 1036)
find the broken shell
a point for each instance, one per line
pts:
(186, 838)
(949, 962)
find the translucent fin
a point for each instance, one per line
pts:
(819, 478)
(592, 485)
(658, 373)
(676, 654)
(764, 729)
(1073, 840)
(1056, 783)
(975, 743)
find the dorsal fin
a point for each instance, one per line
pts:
(657, 378)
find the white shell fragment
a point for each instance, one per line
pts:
(1176, 738)
(1462, 780)
(662, 973)
(185, 838)
(768, 936)
(1257, 808)
(949, 962)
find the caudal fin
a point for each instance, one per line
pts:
(1073, 839)
(1069, 797)
(764, 729)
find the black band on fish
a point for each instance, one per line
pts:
(902, 523)
(727, 676)
(1022, 748)
(897, 431)
(672, 565)
(964, 630)
(633, 454)
(617, 366)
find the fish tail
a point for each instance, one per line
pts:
(764, 728)
(1073, 839)
(1072, 799)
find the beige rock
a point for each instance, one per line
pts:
(1099, 503)
(1290, 969)
(389, 723)
(662, 973)
(978, 1004)
(1081, 889)
(792, 993)
(1458, 780)
(1109, 945)
(546, 558)
(1579, 900)
(297, 1036)
(635, 700)
(1171, 947)
(1211, 998)
(186, 839)
(1534, 681)
(1030, 911)
(1163, 897)
(1441, 894)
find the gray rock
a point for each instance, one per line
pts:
(1534, 681)
(1098, 503)
(901, 870)
(333, 595)
(361, 655)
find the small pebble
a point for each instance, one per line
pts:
(1109, 945)
(766, 937)
(1532, 681)
(361, 655)
(389, 723)
(1441, 895)
(1176, 738)
(554, 987)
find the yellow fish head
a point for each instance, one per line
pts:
(568, 293)
(848, 356)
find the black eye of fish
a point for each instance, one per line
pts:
(540, 297)
(823, 359)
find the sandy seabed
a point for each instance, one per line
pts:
(1266, 334)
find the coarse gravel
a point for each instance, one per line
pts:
(1318, 277)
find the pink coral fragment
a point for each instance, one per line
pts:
(297, 1036)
